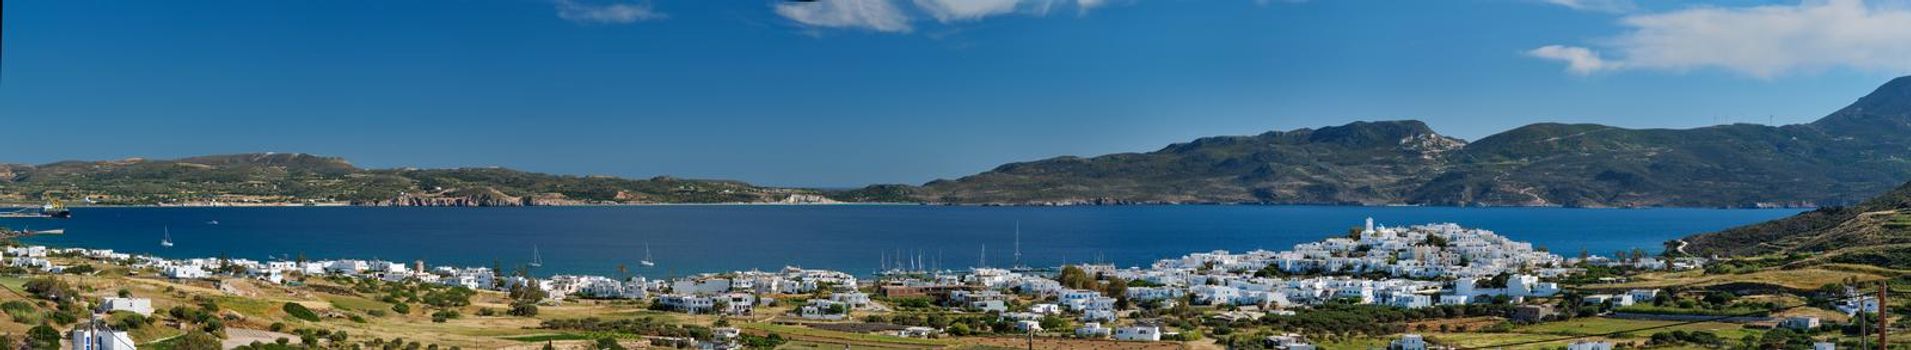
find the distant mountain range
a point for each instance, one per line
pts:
(1860, 150)
(293, 178)
(1853, 153)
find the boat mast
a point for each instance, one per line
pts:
(1018, 243)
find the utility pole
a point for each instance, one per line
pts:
(1883, 321)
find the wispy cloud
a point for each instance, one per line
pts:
(1579, 60)
(959, 10)
(1612, 6)
(614, 12)
(889, 16)
(876, 15)
(1761, 41)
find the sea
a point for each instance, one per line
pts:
(690, 239)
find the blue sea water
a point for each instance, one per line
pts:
(695, 238)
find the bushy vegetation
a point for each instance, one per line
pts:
(645, 326)
(299, 311)
(1346, 318)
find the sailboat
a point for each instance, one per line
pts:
(536, 260)
(167, 241)
(647, 261)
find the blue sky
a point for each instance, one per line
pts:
(852, 92)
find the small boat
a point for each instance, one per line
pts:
(57, 231)
(213, 222)
(167, 241)
(536, 260)
(647, 261)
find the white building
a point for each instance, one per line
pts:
(141, 306)
(853, 299)
(1868, 305)
(1408, 342)
(1028, 326)
(1289, 341)
(1411, 301)
(1092, 330)
(1802, 323)
(820, 309)
(1589, 345)
(98, 337)
(186, 272)
(1643, 295)
(1138, 333)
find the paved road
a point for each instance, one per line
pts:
(236, 337)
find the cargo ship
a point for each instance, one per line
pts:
(55, 209)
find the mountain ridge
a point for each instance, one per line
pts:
(298, 178)
(1842, 158)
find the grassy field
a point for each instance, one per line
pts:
(813, 334)
(539, 338)
(811, 345)
(16, 284)
(1798, 279)
(1360, 343)
(1601, 325)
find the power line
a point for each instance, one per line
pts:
(1676, 324)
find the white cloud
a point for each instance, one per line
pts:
(1613, 6)
(887, 16)
(947, 11)
(877, 15)
(575, 11)
(959, 10)
(1579, 60)
(1762, 41)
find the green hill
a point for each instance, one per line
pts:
(1875, 232)
(298, 178)
(1858, 151)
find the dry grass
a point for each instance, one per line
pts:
(1049, 343)
(1794, 279)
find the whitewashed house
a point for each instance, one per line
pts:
(141, 306)
(1139, 332)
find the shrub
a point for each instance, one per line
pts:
(401, 308)
(43, 337)
(127, 321)
(443, 315)
(197, 341)
(523, 309)
(50, 288)
(21, 311)
(299, 311)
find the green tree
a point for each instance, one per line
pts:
(523, 309)
(1075, 277)
(608, 343)
(43, 337)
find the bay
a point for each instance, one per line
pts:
(687, 239)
